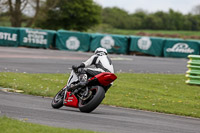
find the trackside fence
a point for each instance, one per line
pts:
(9, 36)
(193, 74)
(80, 41)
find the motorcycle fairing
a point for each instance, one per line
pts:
(71, 100)
(105, 78)
(73, 78)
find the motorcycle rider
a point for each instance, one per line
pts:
(101, 62)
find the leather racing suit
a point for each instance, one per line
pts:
(101, 62)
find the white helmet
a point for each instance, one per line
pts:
(101, 51)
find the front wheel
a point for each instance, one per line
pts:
(93, 101)
(57, 101)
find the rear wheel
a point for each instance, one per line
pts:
(57, 101)
(93, 101)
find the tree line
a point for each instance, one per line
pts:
(171, 20)
(83, 14)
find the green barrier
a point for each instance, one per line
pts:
(113, 43)
(147, 45)
(72, 41)
(9, 36)
(193, 74)
(180, 48)
(36, 38)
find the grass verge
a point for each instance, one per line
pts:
(8, 125)
(135, 32)
(104, 28)
(166, 93)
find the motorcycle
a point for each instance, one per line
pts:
(83, 92)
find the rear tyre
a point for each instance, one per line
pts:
(93, 101)
(57, 101)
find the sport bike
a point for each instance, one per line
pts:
(83, 92)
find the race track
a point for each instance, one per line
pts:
(55, 61)
(105, 118)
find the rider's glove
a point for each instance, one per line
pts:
(75, 68)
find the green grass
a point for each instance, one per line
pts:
(134, 32)
(8, 125)
(104, 28)
(34, 84)
(166, 93)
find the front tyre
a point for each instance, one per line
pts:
(93, 101)
(57, 101)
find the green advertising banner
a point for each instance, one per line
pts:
(113, 43)
(147, 45)
(9, 36)
(36, 38)
(180, 48)
(72, 41)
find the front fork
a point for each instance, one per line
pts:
(65, 89)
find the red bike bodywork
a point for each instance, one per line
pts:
(104, 79)
(71, 100)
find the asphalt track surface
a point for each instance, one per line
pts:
(105, 118)
(54, 61)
